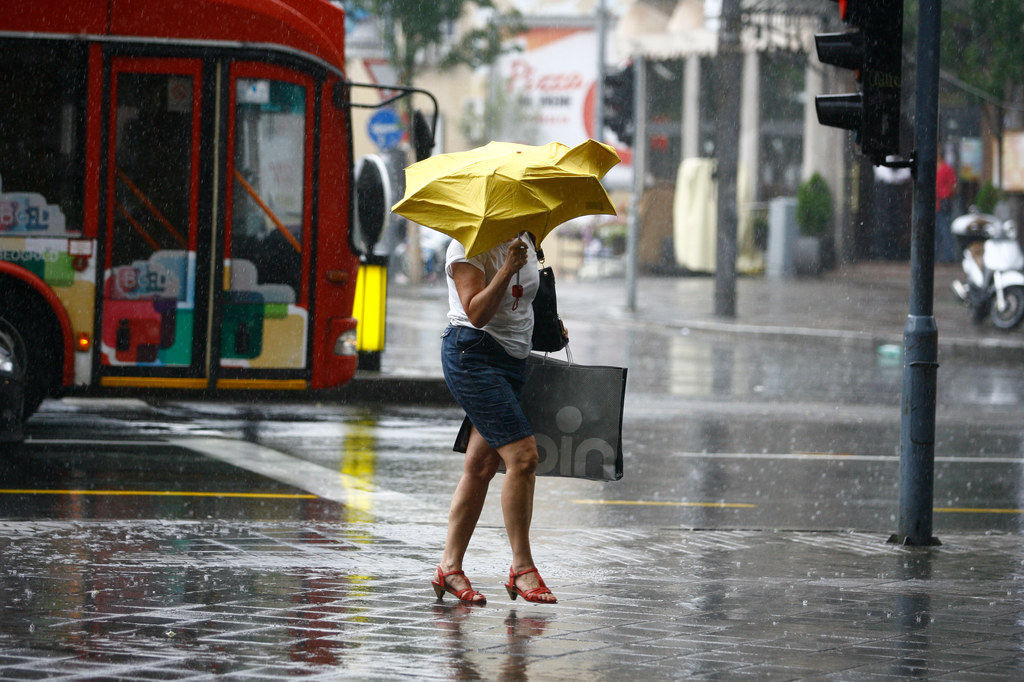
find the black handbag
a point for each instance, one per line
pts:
(549, 334)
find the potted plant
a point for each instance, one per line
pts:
(988, 197)
(814, 218)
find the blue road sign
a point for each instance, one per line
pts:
(385, 128)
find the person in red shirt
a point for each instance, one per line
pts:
(945, 187)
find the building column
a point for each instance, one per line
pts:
(750, 126)
(691, 107)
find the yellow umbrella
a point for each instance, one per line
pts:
(490, 194)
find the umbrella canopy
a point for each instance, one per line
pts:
(490, 194)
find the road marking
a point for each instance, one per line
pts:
(818, 456)
(842, 456)
(339, 487)
(380, 503)
(743, 505)
(976, 510)
(86, 441)
(160, 493)
(317, 480)
(661, 503)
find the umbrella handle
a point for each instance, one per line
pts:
(517, 292)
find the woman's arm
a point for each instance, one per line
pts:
(480, 298)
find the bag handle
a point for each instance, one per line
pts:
(568, 354)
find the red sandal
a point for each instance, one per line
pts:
(531, 594)
(466, 594)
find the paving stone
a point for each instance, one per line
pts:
(190, 601)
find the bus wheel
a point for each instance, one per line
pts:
(12, 384)
(25, 310)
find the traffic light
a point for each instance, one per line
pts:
(874, 49)
(618, 104)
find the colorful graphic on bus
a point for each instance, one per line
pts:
(22, 212)
(148, 311)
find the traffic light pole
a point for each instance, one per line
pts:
(920, 335)
(729, 70)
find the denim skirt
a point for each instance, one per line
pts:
(486, 382)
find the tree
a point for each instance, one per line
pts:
(981, 45)
(415, 35)
(412, 28)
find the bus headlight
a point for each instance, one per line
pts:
(345, 344)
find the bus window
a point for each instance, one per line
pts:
(153, 165)
(149, 288)
(265, 308)
(42, 152)
(267, 216)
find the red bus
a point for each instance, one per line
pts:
(176, 195)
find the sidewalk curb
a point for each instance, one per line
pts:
(985, 349)
(371, 387)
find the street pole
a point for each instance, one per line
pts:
(602, 33)
(730, 71)
(639, 172)
(920, 335)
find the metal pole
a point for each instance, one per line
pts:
(729, 67)
(920, 335)
(639, 171)
(602, 31)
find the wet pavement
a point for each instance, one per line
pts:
(859, 306)
(747, 540)
(139, 600)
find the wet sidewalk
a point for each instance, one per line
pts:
(192, 600)
(351, 599)
(865, 304)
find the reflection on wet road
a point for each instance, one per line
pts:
(185, 539)
(145, 479)
(91, 600)
(690, 463)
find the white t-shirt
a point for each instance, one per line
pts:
(513, 329)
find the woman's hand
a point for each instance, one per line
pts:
(516, 257)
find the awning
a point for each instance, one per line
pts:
(768, 25)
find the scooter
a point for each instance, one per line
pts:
(993, 283)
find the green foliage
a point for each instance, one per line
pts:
(410, 28)
(482, 46)
(981, 44)
(988, 197)
(814, 206)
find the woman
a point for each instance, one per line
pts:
(483, 353)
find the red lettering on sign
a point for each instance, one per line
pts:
(522, 77)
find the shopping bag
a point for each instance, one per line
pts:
(576, 414)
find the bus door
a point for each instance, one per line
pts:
(265, 298)
(151, 326)
(162, 326)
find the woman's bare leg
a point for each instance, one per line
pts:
(480, 465)
(520, 459)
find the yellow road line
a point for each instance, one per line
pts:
(741, 505)
(977, 510)
(158, 493)
(658, 503)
